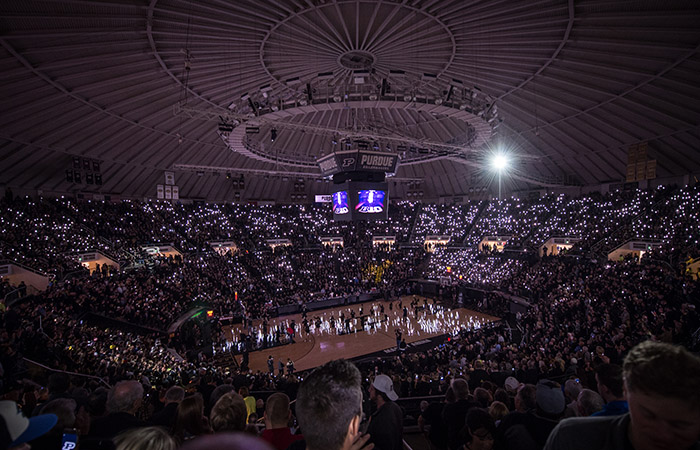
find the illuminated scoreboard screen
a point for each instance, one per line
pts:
(359, 200)
(341, 208)
(370, 201)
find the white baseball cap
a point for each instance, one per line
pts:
(511, 384)
(22, 429)
(384, 384)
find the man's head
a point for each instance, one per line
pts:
(511, 384)
(479, 428)
(329, 405)
(483, 397)
(460, 388)
(382, 390)
(229, 413)
(572, 388)
(525, 399)
(64, 409)
(549, 399)
(588, 402)
(277, 411)
(609, 379)
(662, 385)
(175, 394)
(125, 396)
(219, 392)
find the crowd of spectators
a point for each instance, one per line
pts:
(445, 220)
(596, 216)
(45, 233)
(39, 235)
(513, 217)
(583, 313)
(470, 267)
(672, 221)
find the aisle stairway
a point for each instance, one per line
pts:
(482, 207)
(226, 361)
(412, 233)
(623, 233)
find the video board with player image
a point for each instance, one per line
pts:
(370, 201)
(361, 200)
(341, 207)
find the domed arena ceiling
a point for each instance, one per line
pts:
(239, 99)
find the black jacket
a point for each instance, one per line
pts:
(113, 424)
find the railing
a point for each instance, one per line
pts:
(31, 269)
(105, 241)
(11, 297)
(74, 274)
(196, 254)
(106, 253)
(93, 377)
(695, 340)
(125, 324)
(14, 296)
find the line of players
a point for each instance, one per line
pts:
(429, 318)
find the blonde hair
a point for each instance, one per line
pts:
(498, 410)
(229, 413)
(147, 438)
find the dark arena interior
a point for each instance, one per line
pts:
(350, 224)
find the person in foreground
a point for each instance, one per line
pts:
(277, 415)
(386, 424)
(329, 408)
(479, 430)
(662, 387)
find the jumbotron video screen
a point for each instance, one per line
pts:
(359, 200)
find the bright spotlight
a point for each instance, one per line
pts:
(499, 162)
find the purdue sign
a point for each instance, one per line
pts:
(357, 161)
(328, 165)
(380, 162)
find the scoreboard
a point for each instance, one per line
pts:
(360, 191)
(361, 200)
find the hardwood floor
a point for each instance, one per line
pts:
(320, 346)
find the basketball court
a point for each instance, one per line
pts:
(324, 343)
